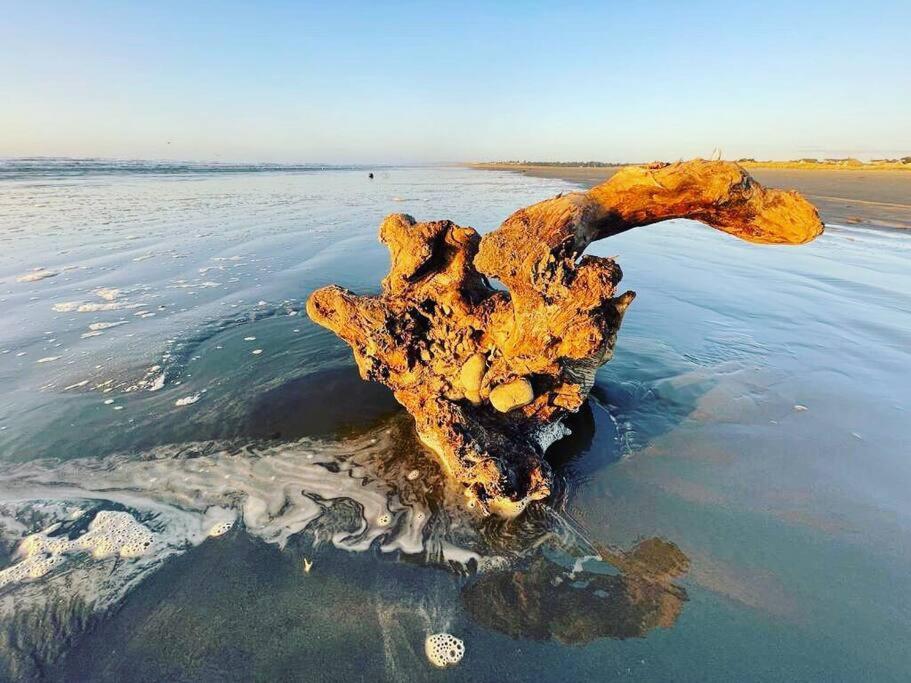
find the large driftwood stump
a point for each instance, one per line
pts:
(488, 375)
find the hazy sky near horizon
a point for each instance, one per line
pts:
(372, 81)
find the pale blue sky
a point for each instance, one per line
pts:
(349, 82)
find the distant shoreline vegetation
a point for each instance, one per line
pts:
(902, 163)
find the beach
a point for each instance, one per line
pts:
(731, 504)
(878, 198)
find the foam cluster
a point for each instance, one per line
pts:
(110, 533)
(221, 529)
(29, 568)
(444, 649)
(276, 491)
(115, 533)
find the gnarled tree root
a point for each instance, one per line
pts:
(488, 375)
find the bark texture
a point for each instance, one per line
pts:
(489, 374)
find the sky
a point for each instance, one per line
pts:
(348, 82)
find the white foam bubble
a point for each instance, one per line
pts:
(219, 521)
(105, 326)
(110, 306)
(108, 293)
(153, 380)
(221, 529)
(110, 533)
(444, 650)
(36, 275)
(156, 383)
(91, 307)
(549, 434)
(29, 568)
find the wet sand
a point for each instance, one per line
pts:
(753, 423)
(880, 199)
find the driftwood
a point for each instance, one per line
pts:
(488, 374)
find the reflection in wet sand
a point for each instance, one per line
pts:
(754, 588)
(621, 595)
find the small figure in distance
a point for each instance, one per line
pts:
(370, 175)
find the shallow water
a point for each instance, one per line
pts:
(733, 500)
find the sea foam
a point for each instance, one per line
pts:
(110, 533)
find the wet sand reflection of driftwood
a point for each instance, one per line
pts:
(547, 602)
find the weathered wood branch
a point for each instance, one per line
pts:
(487, 374)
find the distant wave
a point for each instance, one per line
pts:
(25, 167)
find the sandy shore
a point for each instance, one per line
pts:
(875, 198)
